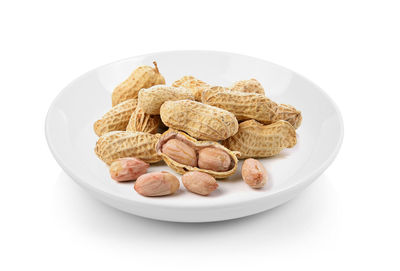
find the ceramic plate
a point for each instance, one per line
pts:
(69, 132)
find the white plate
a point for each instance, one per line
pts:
(71, 138)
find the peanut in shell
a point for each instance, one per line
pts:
(141, 77)
(195, 85)
(196, 145)
(151, 99)
(244, 106)
(257, 140)
(142, 122)
(290, 114)
(199, 120)
(249, 86)
(120, 144)
(116, 119)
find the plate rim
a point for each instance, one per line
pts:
(286, 189)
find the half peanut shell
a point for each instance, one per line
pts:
(197, 145)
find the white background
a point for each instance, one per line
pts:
(348, 219)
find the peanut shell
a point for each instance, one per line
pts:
(151, 99)
(142, 122)
(290, 114)
(219, 88)
(257, 140)
(249, 86)
(197, 145)
(195, 85)
(243, 105)
(119, 144)
(199, 120)
(141, 77)
(116, 119)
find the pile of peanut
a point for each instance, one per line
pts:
(198, 130)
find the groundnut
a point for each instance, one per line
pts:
(127, 169)
(199, 182)
(254, 173)
(157, 184)
(214, 159)
(180, 152)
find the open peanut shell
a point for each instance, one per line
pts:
(196, 145)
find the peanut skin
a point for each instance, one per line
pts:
(254, 173)
(214, 159)
(127, 169)
(199, 182)
(157, 184)
(180, 152)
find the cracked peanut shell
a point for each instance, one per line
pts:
(197, 146)
(151, 99)
(141, 77)
(257, 140)
(199, 120)
(243, 105)
(195, 85)
(120, 144)
(116, 119)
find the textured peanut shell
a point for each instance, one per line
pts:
(199, 120)
(142, 77)
(243, 105)
(142, 122)
(151, 99)
(195, 85)
(116, 119)
(248, 86)
(197, 145)
(219, 88)
(120, 144)
(257, 140)
(290, 114)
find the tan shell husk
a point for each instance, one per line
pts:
(141, 77)
(290, 114)
(248, 86)
(142, 122)
(151, 99)
(244, 106)
(219, 88)
(120, 144)
(257, 140)
(199, 120)
(181, 168)
(195, 85)
(116, 119)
